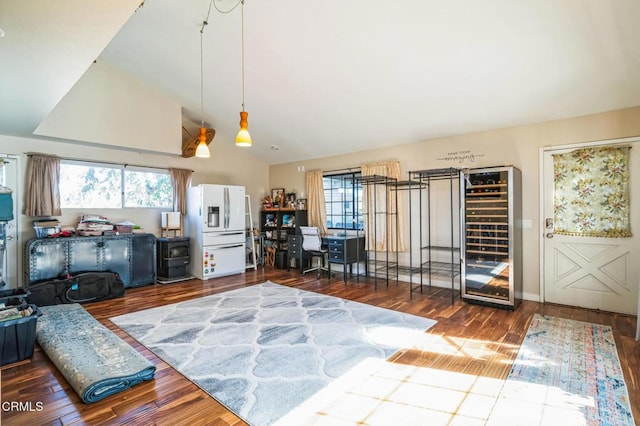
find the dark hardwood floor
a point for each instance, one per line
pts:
(171, 399)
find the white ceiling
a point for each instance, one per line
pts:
(326, 78)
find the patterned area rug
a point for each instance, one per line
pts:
(566, 372)
(95, 361)
(263, 350)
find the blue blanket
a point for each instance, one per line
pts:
(95, 361)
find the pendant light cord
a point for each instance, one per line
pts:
(204, 24)
(230, 10)
(242, 47)
(202, 77)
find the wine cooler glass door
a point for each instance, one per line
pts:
(487, 229)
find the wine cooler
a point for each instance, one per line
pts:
(491, 252)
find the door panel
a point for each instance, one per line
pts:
(47, 260)
(213, 208)
(116, 253)
(236, 209)
(592, 272)
(11, 255)
(224, 260)
(83, 256)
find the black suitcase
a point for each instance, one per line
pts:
(80, 288)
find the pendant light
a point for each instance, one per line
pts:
(202, 151)
(243, 138)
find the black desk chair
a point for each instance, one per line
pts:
(312, 244)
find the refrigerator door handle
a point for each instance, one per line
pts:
(228, 247)
(226, 208)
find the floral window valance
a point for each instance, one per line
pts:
(591, 193)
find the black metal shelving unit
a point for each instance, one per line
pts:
(382, 265)
(421, 181)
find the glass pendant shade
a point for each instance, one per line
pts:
(202, 151)
(243, 138)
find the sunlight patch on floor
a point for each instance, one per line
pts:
(434, 343)
(539, 405)
(378, 392)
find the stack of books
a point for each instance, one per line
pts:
(93, 225)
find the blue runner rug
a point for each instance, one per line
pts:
(263, 350)
(566, 372)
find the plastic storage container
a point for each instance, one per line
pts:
(18, 338)
(14, 297)
(45, 231)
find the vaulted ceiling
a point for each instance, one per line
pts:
(330, 77)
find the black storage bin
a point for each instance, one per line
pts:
(281, 259)
(18, 337)
(14, 297)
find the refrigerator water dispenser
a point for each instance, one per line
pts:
(213, 217)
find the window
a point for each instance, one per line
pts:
(91, 185)
(343, 201)
(147, 189)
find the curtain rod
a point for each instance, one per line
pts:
(29, 154)
(346, 169)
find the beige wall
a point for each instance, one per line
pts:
(109, 107)
(517, 146)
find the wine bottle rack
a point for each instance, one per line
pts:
(491, 252)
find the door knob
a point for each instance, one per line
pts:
(549, 235)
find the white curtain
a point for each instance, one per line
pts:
(316, 208)
(382, 210)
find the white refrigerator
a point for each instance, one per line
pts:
(215, 224)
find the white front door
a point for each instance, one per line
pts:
(9, 267)
(591, 272)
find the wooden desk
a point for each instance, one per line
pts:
(346, 250)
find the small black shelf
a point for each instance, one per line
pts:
(444, 248)
(286, 222)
